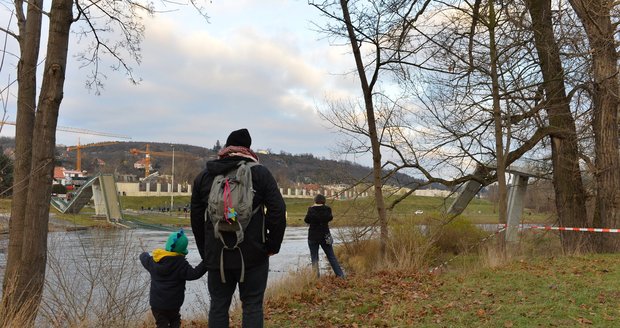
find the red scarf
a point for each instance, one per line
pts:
(237, 151)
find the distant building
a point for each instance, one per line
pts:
(69, 177)
(432, 193)
(311, 187)
(141, 164)
(419, 192)
(126, 178)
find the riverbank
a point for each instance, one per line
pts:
(557, 291)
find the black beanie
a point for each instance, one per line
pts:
(239, 138)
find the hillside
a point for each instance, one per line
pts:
(288, 169)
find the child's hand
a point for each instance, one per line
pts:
(142, 244)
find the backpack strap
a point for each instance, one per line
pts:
(223, 275)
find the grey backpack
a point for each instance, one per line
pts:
(230, 207)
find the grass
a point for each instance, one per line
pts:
(543, 291)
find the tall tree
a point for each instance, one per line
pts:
(380, 26)
(569, 190)
(596, 17)
(500, 152)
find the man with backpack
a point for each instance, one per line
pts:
(238, 218)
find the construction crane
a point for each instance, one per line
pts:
(78, 161)
(148, 153)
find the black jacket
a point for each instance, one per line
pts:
(254, 251)
(318, 217)
(168, 276)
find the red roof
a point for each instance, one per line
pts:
(59, 172)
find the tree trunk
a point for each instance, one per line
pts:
(595, 17)
(372, 127)
(30, 269)
(499, 135)
(569, 190)
(29, 42)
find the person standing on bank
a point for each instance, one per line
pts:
(318, 217)
(247, 265)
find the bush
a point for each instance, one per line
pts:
(457, 236)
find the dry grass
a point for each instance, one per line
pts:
(14, 315)
(407, 248)
(293, 283)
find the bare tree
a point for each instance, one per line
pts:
(596, 17)
(478, 86)
(379, 25)
(569, 190)
(37, 118)
(444, 65)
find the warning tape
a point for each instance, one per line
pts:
(575, 229)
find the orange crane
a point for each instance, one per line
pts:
(148, 153)
(78, 161)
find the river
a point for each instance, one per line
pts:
(95, 267)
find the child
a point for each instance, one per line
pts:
(169, 270)
(318, 217)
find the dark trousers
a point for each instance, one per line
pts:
(329, 252)
(251, 293)
(167, 318)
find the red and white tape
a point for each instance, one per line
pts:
(576, 229)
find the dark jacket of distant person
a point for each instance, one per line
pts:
(318, 217)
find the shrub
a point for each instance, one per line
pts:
(457, 236)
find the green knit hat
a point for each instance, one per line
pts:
(177, 242)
